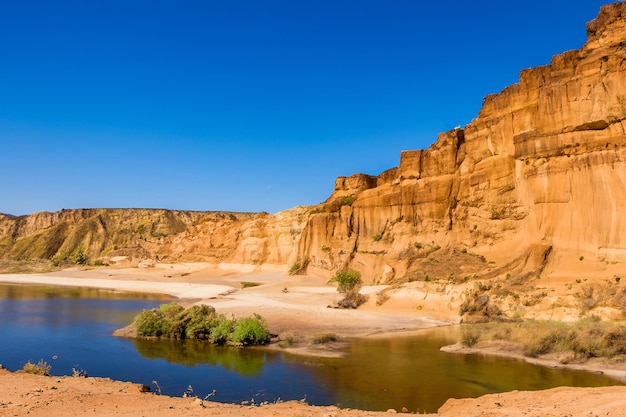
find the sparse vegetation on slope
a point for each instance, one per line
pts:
(570, 342)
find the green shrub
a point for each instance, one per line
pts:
(196, 322)
(248, 284)
(347, 279)
(347, 200)
(170, 310)
(200, 322)
(250, 331)
(60, 259)
(221, 333)
(377, 237)
(295, 268)
(79, 256)
(151, 323)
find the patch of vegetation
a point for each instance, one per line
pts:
(323, 338)
(377, 237)
(200, 322)
(572, 342)
(477, 306)
(469, 336)
(325, 248)
(79, 256)
(250, 331)
(60, 259)
(8, 266)
(99, 262)
(602, 294)
(347, 279)
(298, 268)
(347, 200)
(248, 284)
(287, 340)
(349, 283)
(40, 368)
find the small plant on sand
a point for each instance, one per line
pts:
(377, 237)
(295, 268)
(347, 279)
(469, 337)
(286, 340)
(248, 284)
(40, 368)
(349, 283)
(323, 338)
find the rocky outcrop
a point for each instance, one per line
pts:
(535, 181)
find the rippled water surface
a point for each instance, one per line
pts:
(72, 328)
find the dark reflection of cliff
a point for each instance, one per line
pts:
(244, 361)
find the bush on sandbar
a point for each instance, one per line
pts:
(201, 322)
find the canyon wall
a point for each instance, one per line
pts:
(533, 185)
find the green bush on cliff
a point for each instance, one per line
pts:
(200, 323)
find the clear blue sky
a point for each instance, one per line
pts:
(246, 105)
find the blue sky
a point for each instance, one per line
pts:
(245, 105)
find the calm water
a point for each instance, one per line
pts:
(72, 328)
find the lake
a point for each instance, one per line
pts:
(71, 329)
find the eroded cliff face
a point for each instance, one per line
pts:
(535, 183)
(536, 180)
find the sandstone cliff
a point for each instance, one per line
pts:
(539, 175)
(531, 187)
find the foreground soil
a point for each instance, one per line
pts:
(32, 395)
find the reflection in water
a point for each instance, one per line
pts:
(411, 372)
(248, 362)
(377, 374)
(28, 291)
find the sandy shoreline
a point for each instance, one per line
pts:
(29, 395)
